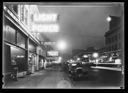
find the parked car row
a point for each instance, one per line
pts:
(78, 69)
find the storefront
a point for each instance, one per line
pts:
(14, 48)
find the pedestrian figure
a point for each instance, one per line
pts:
(42, 63)
(45, 64)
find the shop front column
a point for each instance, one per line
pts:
(27, 55)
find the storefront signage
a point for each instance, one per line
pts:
(52, 53)
(51, 17)
(48, 43)
(45, 27)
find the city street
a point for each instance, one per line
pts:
(55, 77)
(63, 45)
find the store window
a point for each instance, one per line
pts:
(9, 34)
(18, 55)
(7, 59)
(21, 40)
(119, 36)
(31, 46)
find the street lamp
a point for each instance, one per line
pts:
(61, 45)
(95, 55)
(78, 59)
(109, 18)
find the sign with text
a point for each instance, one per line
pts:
(48, 43)
(45, 27)
(46, 17)
(52, 53)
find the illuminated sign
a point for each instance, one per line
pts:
(52, 53)
(52, 17)
(48, 43)
(46, 28)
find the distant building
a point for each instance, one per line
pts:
(113, 37)
(80, 52)
(77, 51)
(91, 50)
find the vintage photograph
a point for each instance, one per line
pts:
(63, 45)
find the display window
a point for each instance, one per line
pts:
(9, 34)
(18, 55)
(21, 40)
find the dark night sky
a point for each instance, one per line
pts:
(82, 26)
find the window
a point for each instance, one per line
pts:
(22, 13)
(112, 39)
(9, 34)
(26, 15)
(18, 55)
(31, 46)
(21, 40)
(32, 18)
(118, 36)
(15, 8)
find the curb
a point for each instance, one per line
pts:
(106, 68)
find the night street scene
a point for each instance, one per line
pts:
(63, 45)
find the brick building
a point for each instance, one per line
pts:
(113, 37)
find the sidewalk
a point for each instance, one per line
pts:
(48, 78)
(107, 68)
(23, 80)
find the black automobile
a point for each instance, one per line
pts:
(79, 69)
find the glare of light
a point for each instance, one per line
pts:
(83, 63)
(52, 17)
(52, 53)
(78, 59)
(95, 55)
(59, 59)
(73, 64)
(85, 56)
(97, 61)
(110, 59)
(109, 19)
(118, 61)
(61, 45)
(46, 28)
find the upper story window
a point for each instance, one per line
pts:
(32, 18)
(26, 17)
(22, 13)
(15, 8)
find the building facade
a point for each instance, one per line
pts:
(113, 37)
(19, 43)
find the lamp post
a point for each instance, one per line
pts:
(61, 45)
(108, 19)
(95, 55)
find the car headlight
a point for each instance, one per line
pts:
(73, 64)
(83, 63)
